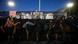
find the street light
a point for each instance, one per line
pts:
(69, 5)
(11, 4)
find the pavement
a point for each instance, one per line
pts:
(34, 42)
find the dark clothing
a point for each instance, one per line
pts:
(9, 30)
(57, 28)
(28, 26)
(46, 28)
(38, 27)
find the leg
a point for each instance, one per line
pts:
(47, 36)
(27, 34)
(37, 36)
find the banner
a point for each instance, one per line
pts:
(12, 13)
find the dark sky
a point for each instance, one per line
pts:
(32, 5)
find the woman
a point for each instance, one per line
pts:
(10, 27)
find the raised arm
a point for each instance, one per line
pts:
(15, 27)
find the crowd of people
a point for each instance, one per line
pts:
(38, 29)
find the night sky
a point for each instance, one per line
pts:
(32, 5)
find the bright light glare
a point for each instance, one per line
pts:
(69, 5)
(11, 3)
